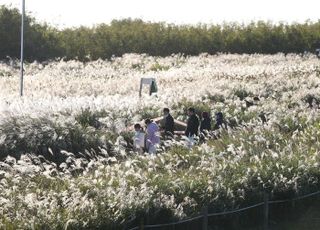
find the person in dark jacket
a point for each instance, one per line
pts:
(192, 124)
(168, 123)
(205, 122)
(219, 121)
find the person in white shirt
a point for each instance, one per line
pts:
(138, 139)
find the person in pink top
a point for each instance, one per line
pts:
(152, 136)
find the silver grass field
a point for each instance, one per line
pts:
(65, 161)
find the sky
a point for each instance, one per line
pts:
(73, 13)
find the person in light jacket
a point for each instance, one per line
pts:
(152, 136)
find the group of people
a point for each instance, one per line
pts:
(150, 139)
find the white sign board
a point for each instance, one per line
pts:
(149, 82)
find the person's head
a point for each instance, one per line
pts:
(166, 111)
(137, 127)
(191, 111)
(147, 121)
(205, 115)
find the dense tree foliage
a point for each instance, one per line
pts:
(160, 39)
(41, 41)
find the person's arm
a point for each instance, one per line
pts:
(172, 124)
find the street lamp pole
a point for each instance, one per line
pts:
(22, 44)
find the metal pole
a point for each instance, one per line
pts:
(22, 43)
(140, 91)
(266, 211)
(141, 224)
(205, 218)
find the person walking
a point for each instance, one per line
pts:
(219, 121)
(205, 122)
(152, 136)
(168, 126)
(138, 139)
(192, 129)
(192, 123)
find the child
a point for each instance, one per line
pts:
(138, 139)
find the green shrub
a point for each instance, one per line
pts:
(242, 93)
(159, 67)
(214, 98)
(182, 106)
(150, 112)
(86, 118)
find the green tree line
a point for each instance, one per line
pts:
(43, 42)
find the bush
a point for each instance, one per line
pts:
(158, 67)
(182, 106)
(87, 118)
(30, 135)
(242, 93)
(150, 112)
